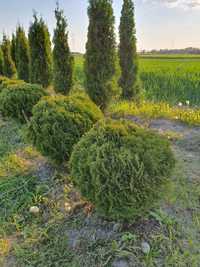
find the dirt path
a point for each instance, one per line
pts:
(187, 148)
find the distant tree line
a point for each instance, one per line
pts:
(32, 59)
(188, 50)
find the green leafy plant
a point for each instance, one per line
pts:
(18, 99)
(121, 168)
(58, 123)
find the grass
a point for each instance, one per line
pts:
(150, 110)
(170, 56)
(79, 73)
(171, 80)
(168, 78)
(11, 136)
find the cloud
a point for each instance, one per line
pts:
(186, 4)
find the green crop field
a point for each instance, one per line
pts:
(172, 80)
(169, 78)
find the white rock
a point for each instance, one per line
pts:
(34, 210)
(180, 104)
(68, 207)
(145, 247)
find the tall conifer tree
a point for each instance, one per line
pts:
(128, 52)
(22, 54)
(100, 52)
(40, 52)
(9, 69)
(13, 48)
(1, 62)
(62, 58)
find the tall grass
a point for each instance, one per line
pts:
(166, 78)
(171, 80)
(152, 110)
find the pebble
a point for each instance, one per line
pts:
(120, 263)
(34, 210)
(145, 247)
(116, 227)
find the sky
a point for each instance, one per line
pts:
(159, 23)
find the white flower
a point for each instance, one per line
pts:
(34, 210)
(187, 102)
(180, 104)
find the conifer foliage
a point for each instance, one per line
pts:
(40, 52)
(127, 52)
(62, 58)
(13, 48)
(100, 52)
(9, 69)
(22, 54)
(1, 62)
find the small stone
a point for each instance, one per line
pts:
(68, 207)
(34, 210)
(76, 244)
(180, 104)
(120, 263)
(145, 247)
(116, 227)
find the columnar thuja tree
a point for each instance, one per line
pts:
(1, 62)
(62, 58)
(40, 52)
(100, 52)
(13, 48)
(22, 54)
(9, 69)
(128, 52)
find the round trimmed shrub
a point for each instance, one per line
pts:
(121, 168)
(6, 82)
(58, 123)
(2, 79)
(18, 98)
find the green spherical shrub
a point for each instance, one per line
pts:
(2, 79)
(18, 99)
(121, 168)
(58, 123)
(6, 82)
